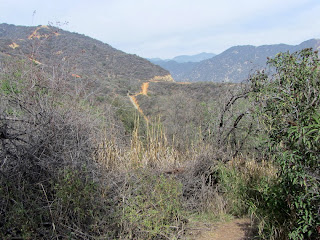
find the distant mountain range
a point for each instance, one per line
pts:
(179, 71)
(185, 58)
(233, 65)
(85, 57)
(180, 65)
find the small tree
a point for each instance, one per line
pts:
(288, 105)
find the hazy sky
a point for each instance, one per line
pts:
(167, 28)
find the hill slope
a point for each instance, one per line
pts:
(179, 71)
(236, 63)
(87, 57)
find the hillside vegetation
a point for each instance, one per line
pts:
(82, 57)
(77, 163)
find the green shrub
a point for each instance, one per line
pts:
(288, 104)
(22, 210)
(151, 208)
(127, 114)
(242, 182)
(75, 197)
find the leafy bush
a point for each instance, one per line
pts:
(288, 104)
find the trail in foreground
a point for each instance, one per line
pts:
(237, 229)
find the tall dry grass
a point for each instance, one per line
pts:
(152, 150)
(242, 181)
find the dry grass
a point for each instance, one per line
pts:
(251, 168)
(150, 151)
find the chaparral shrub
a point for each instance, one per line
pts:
(288, 106)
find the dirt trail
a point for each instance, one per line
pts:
(144, 88)
(135, 103)
(133, 99)
(144, 91)
(237, 229)
(35, 33)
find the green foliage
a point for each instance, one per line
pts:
(75, 196)
(12, 82)
(72, 201)
(8, 88)
(289, 107)
(242, 182)
(23, 212)
(128, 115)
(152, 207)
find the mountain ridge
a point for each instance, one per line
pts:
(90, 58)
(234, 64)
(185, 58)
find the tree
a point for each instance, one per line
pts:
(288, 105)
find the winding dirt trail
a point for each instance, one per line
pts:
(133, 99)
(144, 91)
(237, 229)
(36, 34)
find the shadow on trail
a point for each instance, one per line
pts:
(250, 231)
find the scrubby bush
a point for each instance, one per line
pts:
(44, 132)
(280, 187)
(53, 182)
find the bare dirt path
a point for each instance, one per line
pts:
(133, 98)
(144, 91)
(237, 229)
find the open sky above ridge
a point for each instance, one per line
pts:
(167, 28)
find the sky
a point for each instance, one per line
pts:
(168, 28)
